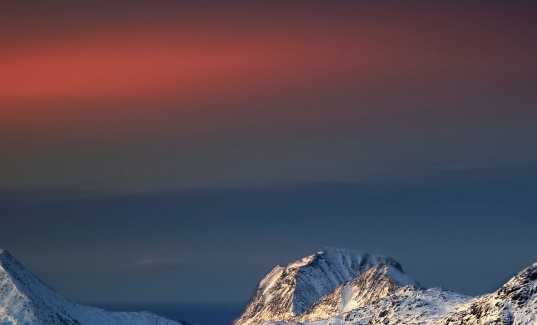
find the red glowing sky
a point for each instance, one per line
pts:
(279, 70)
(224, 61)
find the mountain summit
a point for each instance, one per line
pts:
(343, 287)
(25, 300)
(287, 292)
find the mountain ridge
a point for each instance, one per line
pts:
(375, 283)
(330, 287)
(384, 294)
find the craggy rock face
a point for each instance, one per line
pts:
(483, 312)
(521, 288)
(287, 292)
(514, 303)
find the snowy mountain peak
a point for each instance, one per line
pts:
(24, 299)
(380, 293)
(287, 292)
(328, 269)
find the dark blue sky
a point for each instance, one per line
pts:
(176, 151)
(463, 233)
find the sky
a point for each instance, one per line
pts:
(176, 151)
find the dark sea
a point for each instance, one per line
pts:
(193, 313)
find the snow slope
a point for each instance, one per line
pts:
(24, 299)
(375, 283)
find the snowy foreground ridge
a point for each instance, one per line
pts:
(341, 287)
(25, 300)
(331, 287)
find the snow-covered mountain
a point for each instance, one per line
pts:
(331, 287)
(379, 292)
(25, 300)
(288, 292)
